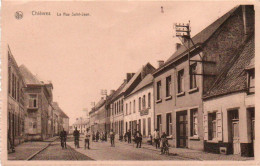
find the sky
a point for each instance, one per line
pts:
(83, 54)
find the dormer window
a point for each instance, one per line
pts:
(251, 81)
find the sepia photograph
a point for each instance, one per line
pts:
(98, 82)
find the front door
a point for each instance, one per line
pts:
(182, 129)
(235, 137)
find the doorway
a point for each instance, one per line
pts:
(182, 129)
(234, 130)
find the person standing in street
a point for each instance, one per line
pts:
(87, 138)
(138, 139)
(157, 138)
(129, 136)
(106, 136)
(97, 136)
(63, 138)
(112, 137)
(76, 137)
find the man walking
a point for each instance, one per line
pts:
(138, 139)
(157, 138)
(129, 136)
(112, 137)
(87, 137)
(63, 138)
(76, 137)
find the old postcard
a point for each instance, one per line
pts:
(129, 82)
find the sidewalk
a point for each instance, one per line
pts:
(27, 149)
(196, 154)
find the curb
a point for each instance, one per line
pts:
(39, 151)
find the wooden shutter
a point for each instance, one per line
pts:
(205, 124)
(219, 125)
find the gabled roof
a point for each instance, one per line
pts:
(145, 82)
(29, 78)
(234, 78)
(118, 92)
(56, 107)
(199, 38)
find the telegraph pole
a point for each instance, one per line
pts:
(183, 31)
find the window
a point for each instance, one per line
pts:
(149, 100)
(33, 101)
(169, 124)
(180, 81)
(193, 83)
(194, 122)
(139, 103)
(134, 106)
(149, 126)
(144, 104)
(9, 80)
(159, 86)
(144, 127)
(212, 125)
(122, 105)
(126, 109)
(130, 108)
(251, 81)
(168, 86)
(159, 123)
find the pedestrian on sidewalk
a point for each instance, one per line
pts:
(93, 136)
(112, 137)
(157, 138)
(63, 139)
(129, 137)
(97, 136)
(87, 138)
(138, 139)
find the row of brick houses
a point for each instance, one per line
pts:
(201, 97)
(32, 114)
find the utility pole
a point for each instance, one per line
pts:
(183, 31)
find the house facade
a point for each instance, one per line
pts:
(229, 107)
(139, 108)
(38, 100)
(188, 74)
(16, 109)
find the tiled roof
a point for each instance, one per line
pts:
(118, 91)
(56, 107)
(29, 78)
(199, 38)
(234, 78)
(146, 81)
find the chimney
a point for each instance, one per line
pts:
(248, 18)
(129, 76)
(177, 46)
(111, 92)
(160, 63)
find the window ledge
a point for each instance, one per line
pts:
(213, 141)
(193, 90)
(159, 101)
(180, 94)
(194, 137)
(168, 98)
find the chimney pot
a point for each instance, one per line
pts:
(160, 63)
(177, 46)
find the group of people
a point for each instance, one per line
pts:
(137, 138)
(160, 141)
(96, 136)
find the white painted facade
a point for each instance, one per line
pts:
(132, 113)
